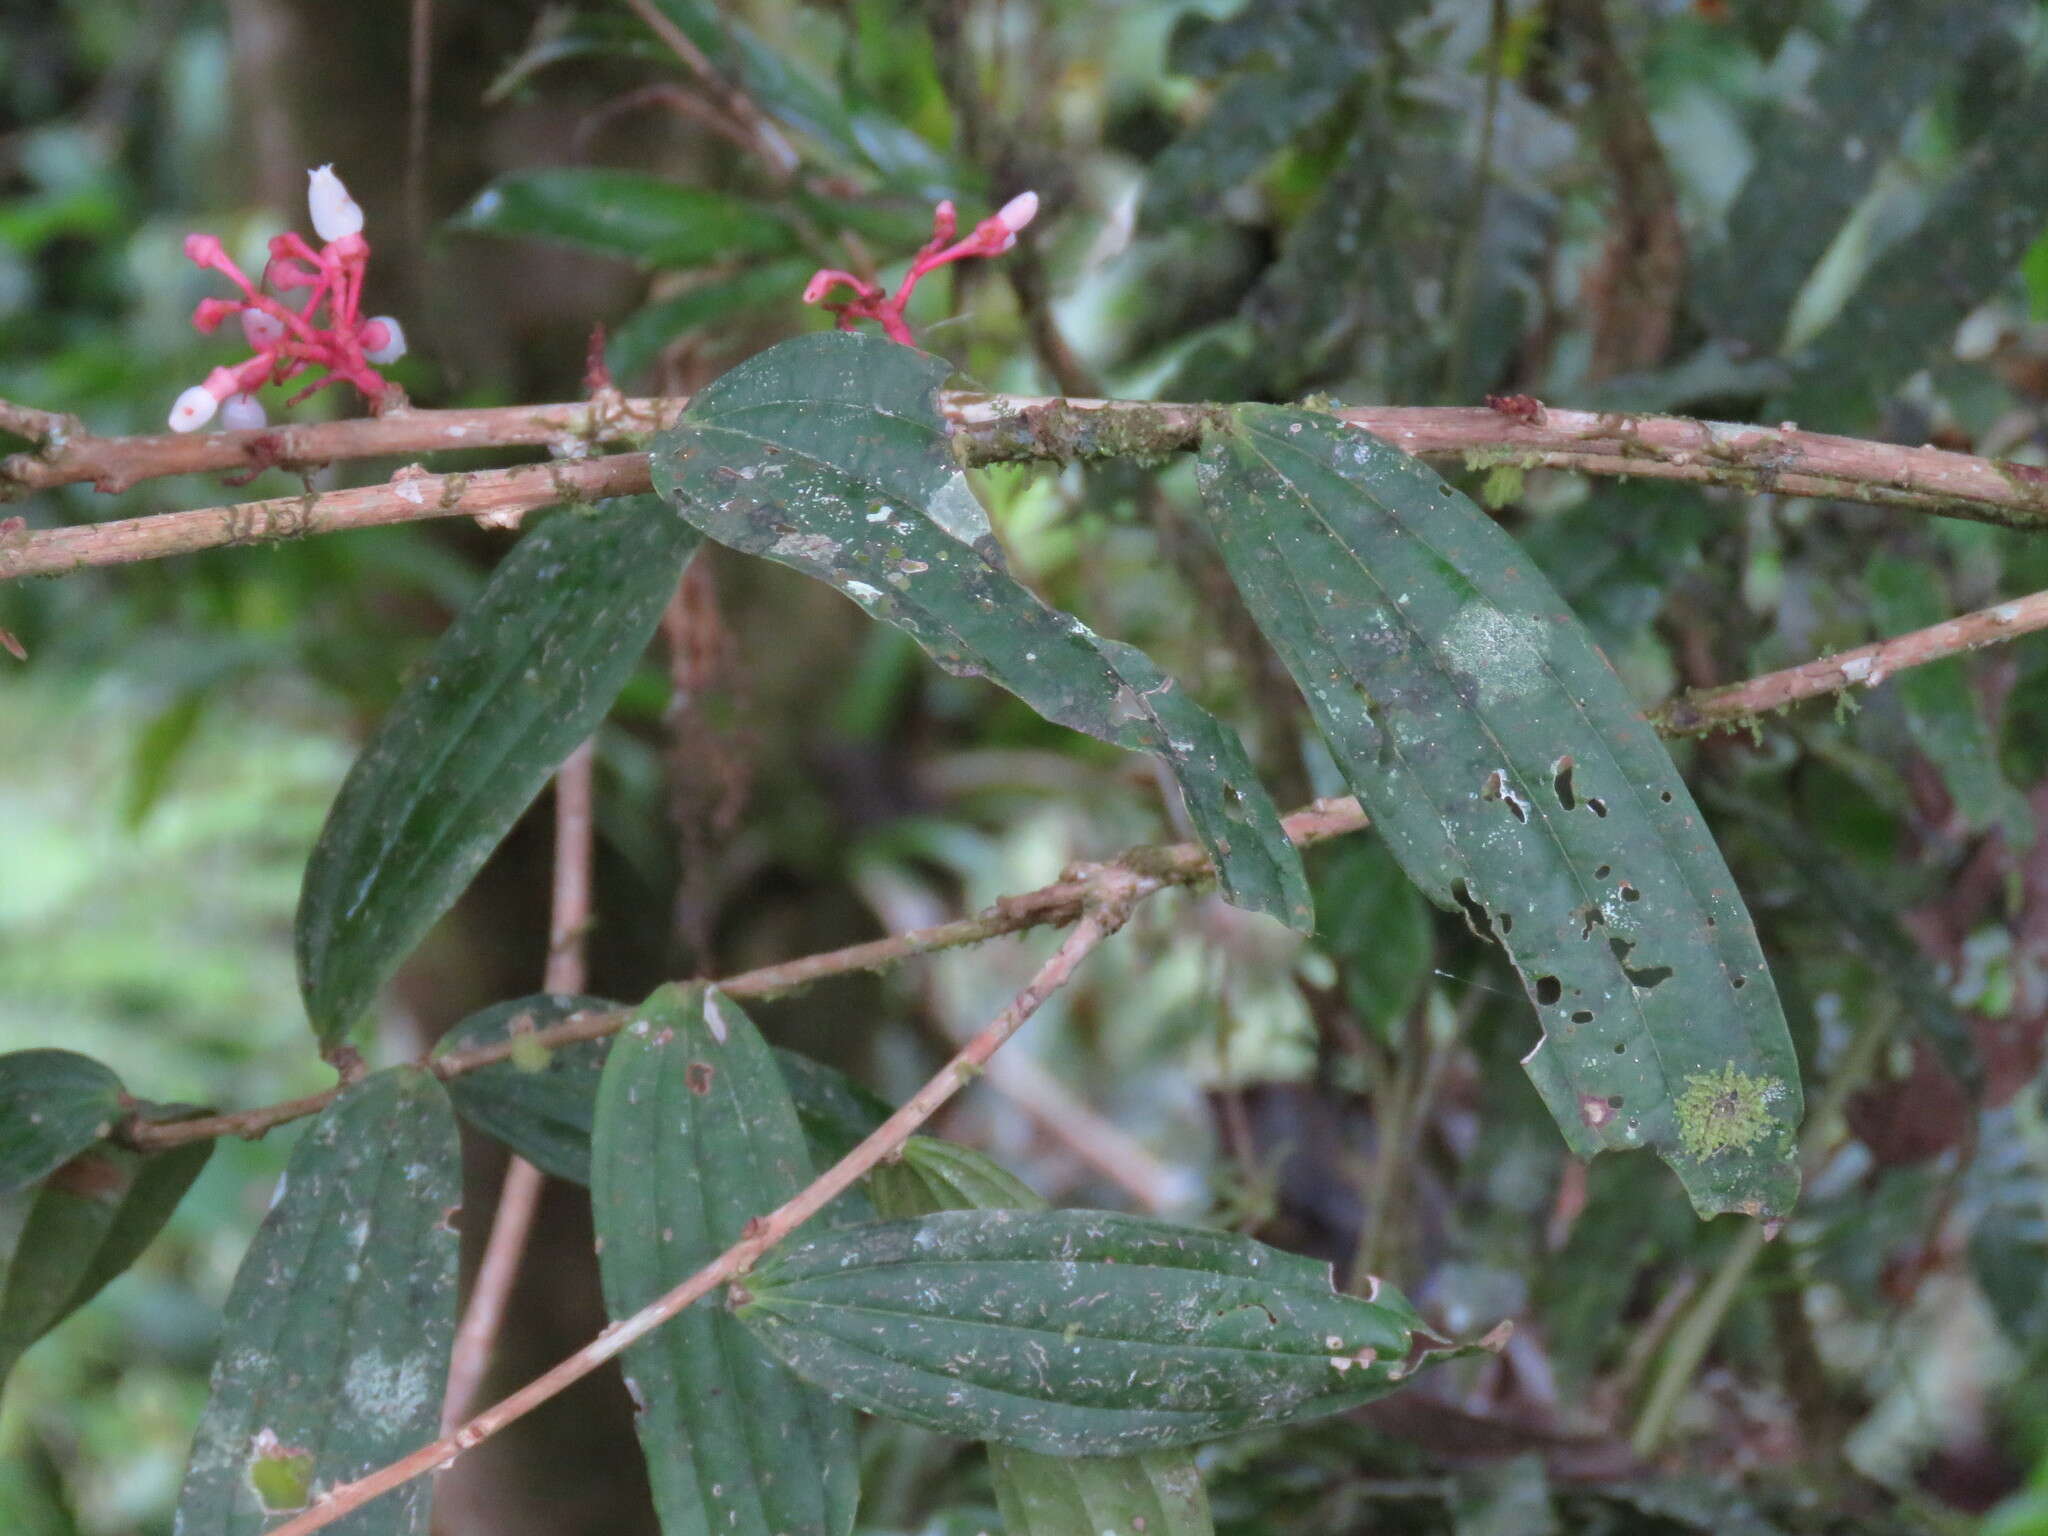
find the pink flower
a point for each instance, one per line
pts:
(323, 327)
(991, 237)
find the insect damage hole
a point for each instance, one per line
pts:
(1548, 990)
(1561, 782)
(1597, 807)
(1643, 978)
(1499, 787)
(1475, 915)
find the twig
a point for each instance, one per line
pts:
(500, 495)
(1707, 709)
(992, 429)
(519, 1192)
(1112, 892)
(1059, 903)
(763, 137)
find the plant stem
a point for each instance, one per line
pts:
(1113, 891)
(1062, 902)
(519, 1193)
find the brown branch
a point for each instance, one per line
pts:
(987, 429)
(1112, 891)
(519, 1192)
(500, 496)
(1057, 904)
(1708, 709)
(766, 140)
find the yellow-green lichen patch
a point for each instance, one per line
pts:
(1726, 1111)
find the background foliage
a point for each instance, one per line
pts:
(1826, 212)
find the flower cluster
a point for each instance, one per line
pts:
(288, 340)
(991, 237)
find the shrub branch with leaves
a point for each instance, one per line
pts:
(778, 1248)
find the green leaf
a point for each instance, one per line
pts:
(1077, 1333)
(1294, 63)
(1376, 925)
(1156, 1492)
(64, 1239)
(2006, 1203)
(696, 1136)
(1905, 311)
(334, 1352)
(1821, 149)
(640, 218)
(1941, 708)
(53, 1105)
(828, 454)
(1507, 769)
(524, 673)
(635, 344)
(934, 1175)
(542, 1101)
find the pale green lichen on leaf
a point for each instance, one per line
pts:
(1726, 1111)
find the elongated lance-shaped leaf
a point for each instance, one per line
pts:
(334, 1351)
(1078, 1333)
(1509, 772)
(1158, 1493)
(524, 673)
(828, 454)
(696, 1136)
(53, 1105)
(542, 1101)
(644, 219)
(66, 1237)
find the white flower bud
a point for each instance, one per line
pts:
(335, 214)
(1018, 212)
(194, 409)
(263, 330)
(243, 413)
(392, 347)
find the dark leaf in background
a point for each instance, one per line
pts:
(764, 289)
(1507, 769)
(1904, 312)
(53, 1105)
(638, 218)
(334, 1349)
(1376, 926)
(1818, 153)
(1943, 714)
(1290, 65)
(522, 676)
(696, 1136)
(63, 1239)
(1077, 1333)
(542, 1101)
(828, 454)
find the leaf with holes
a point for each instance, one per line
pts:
(541, 1101)
(1078, 1333)
(524, 673)
(1154, 1491)
(53, 1105)
(1507, 769)
(66, 1237)
(696, 1136)
(334, 1350)
(828, 454)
